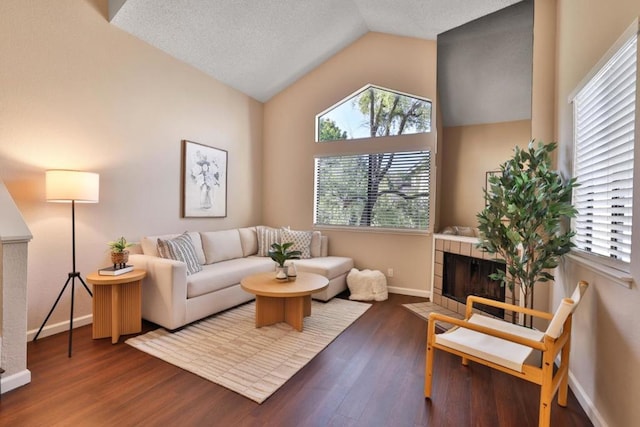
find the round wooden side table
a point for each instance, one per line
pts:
(117, 304)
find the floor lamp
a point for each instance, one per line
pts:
(64, 186)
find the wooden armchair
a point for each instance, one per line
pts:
(507, 347)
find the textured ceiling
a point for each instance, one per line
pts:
(262, 46)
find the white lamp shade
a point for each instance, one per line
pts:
(67, 186)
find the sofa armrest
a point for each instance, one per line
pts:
(164, 290)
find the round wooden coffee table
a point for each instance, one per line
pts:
(278, 301)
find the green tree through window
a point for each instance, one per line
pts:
(372, 112)
(329, 131)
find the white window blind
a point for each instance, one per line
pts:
(383, 190)
(604, 130)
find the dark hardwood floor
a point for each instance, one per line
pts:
(371, 375)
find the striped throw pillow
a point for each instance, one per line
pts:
(180, 249)
(266, 237)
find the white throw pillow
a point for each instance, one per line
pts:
(315, 249)
(249, 241)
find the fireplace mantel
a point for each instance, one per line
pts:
(455, 238)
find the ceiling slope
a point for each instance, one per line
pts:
(260, 47)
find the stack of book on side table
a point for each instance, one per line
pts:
(115, 270)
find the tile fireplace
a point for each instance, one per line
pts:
(460, 269)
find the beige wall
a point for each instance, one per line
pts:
(400, 63)
(543, 73)
(606, 338)
(468, 152)
(78, 93)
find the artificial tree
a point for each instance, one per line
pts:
(524, 219)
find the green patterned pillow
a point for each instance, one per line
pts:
(301, 241)
(180, 249)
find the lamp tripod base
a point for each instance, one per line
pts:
(71, 279)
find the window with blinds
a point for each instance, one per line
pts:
(604, 131)
(382, 190)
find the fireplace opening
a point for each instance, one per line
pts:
(463, 276)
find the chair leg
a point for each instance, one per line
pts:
(546, 391)
(563, 388)
(428, 376)
(428, 371)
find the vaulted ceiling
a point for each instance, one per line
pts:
(260, 47)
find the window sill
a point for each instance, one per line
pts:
(372, 230)
(619, 277)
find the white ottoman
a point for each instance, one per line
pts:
(367, 285)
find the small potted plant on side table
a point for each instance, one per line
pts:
(119, 252)
(281, 253)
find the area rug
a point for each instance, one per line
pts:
(422, 309)
(229, 350)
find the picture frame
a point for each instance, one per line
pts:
(204, 181)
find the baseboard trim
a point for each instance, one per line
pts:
(586, 403)
(409, 291)
(13, 381)
(56, 328)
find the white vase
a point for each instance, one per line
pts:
(292, 273)
(281, 273)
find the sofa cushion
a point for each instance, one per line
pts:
(221, 245)
(329, 267)
(249, 240)
(315, 248)
(222, 275)
(149, 244)
(301, 241)
(266, 237)
(180, 249)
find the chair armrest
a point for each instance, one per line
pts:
(538, 345)
(499, 304)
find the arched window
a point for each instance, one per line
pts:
(388, 190)
(371, 112)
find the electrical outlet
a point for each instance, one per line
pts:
(389, 272)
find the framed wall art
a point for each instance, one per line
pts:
(204, 181)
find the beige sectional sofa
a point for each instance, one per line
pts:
(172, 298)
